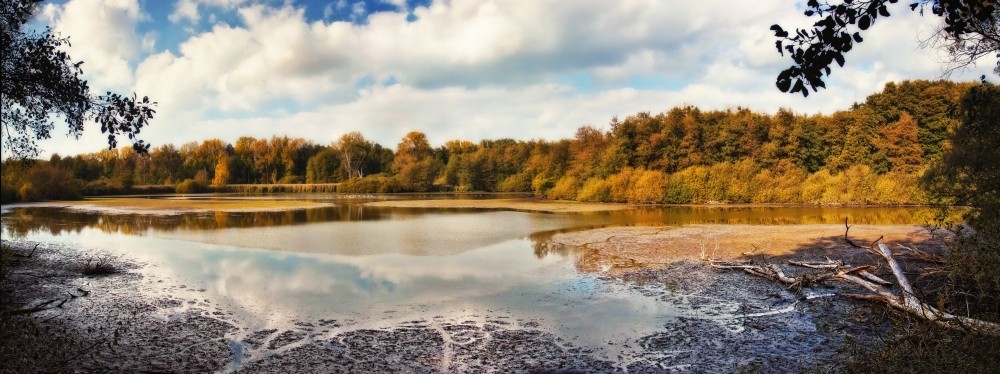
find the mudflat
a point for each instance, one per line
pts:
(523, 205)
(616, 251)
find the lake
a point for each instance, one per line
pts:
(382, 268)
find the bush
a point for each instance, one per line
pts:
(564, 189)
(49, 183)
(595, 189)
(378, 184)
(542, 184)
(520, 182)
(191, 186)
(647, 186)
(105, 186)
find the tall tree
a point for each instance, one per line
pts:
(899, 142)
(353, 152)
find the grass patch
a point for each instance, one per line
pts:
(100, 266)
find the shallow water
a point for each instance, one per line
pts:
(371, 268)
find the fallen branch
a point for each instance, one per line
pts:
(918, 254)
(906, 301)
(29, 254)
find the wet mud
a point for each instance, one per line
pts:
(726, 322)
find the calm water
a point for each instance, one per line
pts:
(383, 266)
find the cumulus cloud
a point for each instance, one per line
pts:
(477, 69)
(102, 34)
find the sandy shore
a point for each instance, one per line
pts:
(173, 206)
(620, 250)
(525, 205)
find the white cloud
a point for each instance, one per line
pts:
(478, 69)
(102, 34)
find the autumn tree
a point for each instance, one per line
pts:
(221, 171)
(353, 152)
(899, 143)
(413, 164)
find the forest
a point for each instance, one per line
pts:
(872, 153)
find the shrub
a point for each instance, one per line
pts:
(564, 189)
(520, 182)
(104, 186)
(541, 184)
(647, 187)
(49, 183)
(814, 188)
(618, 185)
(377, 184)
(595, 189)
(191, 186)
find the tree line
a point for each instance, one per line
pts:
(871, 153)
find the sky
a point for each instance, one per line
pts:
(454, 69)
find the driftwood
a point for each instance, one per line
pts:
(913, 252)
(45, 305)
(906, 301)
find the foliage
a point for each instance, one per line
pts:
(191, 186)
(40, 81)
(49, 183)
(841, 25)
(371, 184)
(966, 174)
(103, 187)
(872, 153)
(916, 346)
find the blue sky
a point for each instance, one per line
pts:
(468, 69)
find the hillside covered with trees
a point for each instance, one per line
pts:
(871, 153)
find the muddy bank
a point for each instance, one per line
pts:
(524, 205)
(616, 251)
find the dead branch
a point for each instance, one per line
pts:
(828, 264)
(29, 254)
(906, 301)
(918, 254)
(847, 228)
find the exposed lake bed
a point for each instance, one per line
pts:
(460, 290)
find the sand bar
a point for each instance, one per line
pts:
(620, 250)
(526, 205)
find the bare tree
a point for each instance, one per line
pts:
(353, 151)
